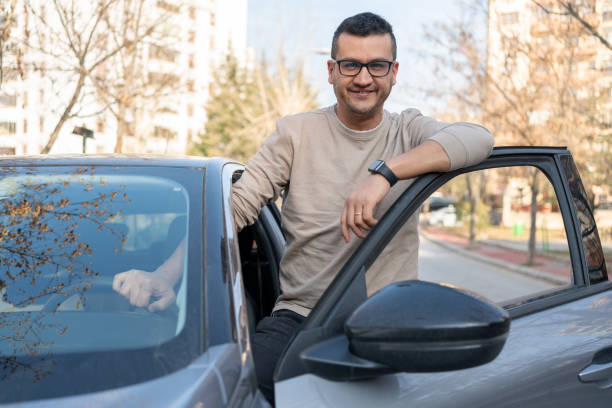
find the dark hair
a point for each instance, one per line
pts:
(362, 25)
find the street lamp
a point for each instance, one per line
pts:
(84, 133)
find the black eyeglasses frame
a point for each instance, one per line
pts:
(364, 64)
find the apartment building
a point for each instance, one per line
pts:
(155, 101)
(537, 50)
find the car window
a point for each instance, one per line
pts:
(65, 233)
(596, 255)
(476, 232)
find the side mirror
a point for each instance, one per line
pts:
(418, 326)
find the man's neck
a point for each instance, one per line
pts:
(358, 122)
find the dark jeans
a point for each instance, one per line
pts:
(270, 339)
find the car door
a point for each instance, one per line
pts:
(559, 348)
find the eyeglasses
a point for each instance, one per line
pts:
(376, 68)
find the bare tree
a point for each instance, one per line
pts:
(126, 84)
(72, 44)
(527, 92)
(7, 24)
(577, 10)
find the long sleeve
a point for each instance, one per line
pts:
(265, 177)
(465, 143)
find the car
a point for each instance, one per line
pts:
(70, 224)
(445, 216)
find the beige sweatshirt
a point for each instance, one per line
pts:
(316, 162)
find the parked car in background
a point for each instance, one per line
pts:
(445, 217)
(68, 225)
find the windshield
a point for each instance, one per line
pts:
(65, 232)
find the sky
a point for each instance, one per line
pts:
(304, 28)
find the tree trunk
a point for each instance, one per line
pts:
(533, 211)
(65, 114)
(121, 128)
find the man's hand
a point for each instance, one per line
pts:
(358, 213)
(139, 286)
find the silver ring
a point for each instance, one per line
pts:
(357, 213)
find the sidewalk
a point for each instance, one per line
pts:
(512, 257)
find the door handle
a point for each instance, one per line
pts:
(599, 371)
(596, 373)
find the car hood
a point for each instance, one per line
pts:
(205, 381)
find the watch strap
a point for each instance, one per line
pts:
(380, 167)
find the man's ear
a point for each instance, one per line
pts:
(330, 71)
(394, 71)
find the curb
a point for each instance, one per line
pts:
(523, 270)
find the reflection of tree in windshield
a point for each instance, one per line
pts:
(54, 232)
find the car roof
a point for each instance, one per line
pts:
(113, 160)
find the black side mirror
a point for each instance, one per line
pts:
(419, 326)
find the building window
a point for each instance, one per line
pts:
(162, 78)
(190, 110)
(211, 43)
(41, 124)
(7, 151)
(8, 128)
(192, 13)
(192, 36)
(162, 53)
(191, 61)
(42, 96)
(25, 126)
(212, 19)
(8, 100)
(510, 18)
(173, 8)
(606, 66)
(541, 12)
(190, 85)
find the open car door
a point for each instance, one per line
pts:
(433, 344)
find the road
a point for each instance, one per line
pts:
(438, 264)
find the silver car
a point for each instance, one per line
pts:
(69, 225)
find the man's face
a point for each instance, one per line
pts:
(362, 95)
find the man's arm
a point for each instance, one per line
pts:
(139, 286)
(424, 158)
(265, 177)
(438, 146)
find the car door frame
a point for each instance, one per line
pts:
(347, 290)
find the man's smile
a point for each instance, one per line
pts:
(362, 93)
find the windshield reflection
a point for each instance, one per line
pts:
(47, 253)
(63, 236)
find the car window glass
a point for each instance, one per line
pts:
(476, 232)
(65, 233)
(65, 236)
(596, 254)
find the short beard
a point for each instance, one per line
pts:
(358, 112)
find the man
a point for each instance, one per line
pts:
(335, 168)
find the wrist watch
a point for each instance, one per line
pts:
(379, 167)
